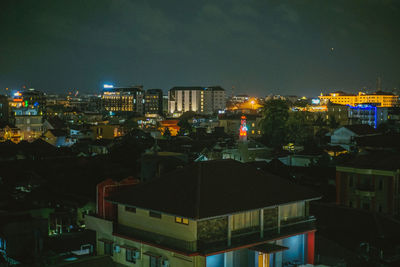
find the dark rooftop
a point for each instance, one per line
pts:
(361, 129)
(213, 188)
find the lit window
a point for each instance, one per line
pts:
(181, 220)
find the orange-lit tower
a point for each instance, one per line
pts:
(243, 129)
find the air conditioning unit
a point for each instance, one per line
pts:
(136, 254)
(117, 249)
(165, 263)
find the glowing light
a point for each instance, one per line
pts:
(315, 101)
(108, 86)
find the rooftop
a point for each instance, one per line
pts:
(213, 188)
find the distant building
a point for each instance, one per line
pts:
(153, 103)
(345, 136)
(205, 100)
(231, 124)
(339, 112)
(30, 122)
(213, 213)
(372, 115)
(381, 99)
(123, 100)
(30, 98)
(370, 182)
(4, 110)
(239, 98)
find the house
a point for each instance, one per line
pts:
(100, 146)
(212, 213)
(345, 136)
(57, 137)
(370, 182)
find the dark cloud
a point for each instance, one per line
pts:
(255, 45)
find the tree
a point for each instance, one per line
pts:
(185, 126)
(333, 123)
(298, 129)
(275, 115)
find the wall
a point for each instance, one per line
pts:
(165, 226)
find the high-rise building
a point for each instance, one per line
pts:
(381, 99)
(206, 100)
(153, 103)
(123, 100)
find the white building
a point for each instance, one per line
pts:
(205, 100)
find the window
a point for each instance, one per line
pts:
(351, 181)
(245, 220)
(131, 255)
(366, 206)
(380, 184)
(155, 214)
(130, 209)
(181, 220)
(291, 211)
(108, 248)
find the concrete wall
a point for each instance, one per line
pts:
(165, 226)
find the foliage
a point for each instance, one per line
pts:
(185, 126)
(167, 133)
(333, 123)
(275, 115)
(299, 130)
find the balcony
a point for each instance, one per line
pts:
(239, 238)
(154, 238)
(368, 193)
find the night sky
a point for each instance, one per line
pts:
(259, 47)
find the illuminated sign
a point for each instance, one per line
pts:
(315, 101)
(17, 94)
(108, 86)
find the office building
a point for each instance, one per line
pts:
(153, 103)
(123, 100)
(205, 100)
(380, 99)
(372, 115)
(213, 213)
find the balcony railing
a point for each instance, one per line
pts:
(154, 238)
(238, 239)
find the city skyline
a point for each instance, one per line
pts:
(256, 47)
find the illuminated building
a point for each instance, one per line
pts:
(371, 115)
(153, 103)
(339, 112)
(239, 98)
(172, 126)
(30, 122)
(30, 98)
(370, 182)
(211, 213)
(251, 105)
(206, 100)
(381, 99)
(243, 129)
(123, 100)
(232, 124)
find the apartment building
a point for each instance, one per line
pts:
(370, 182)
(214, 213)
(206, 100)
(123, 100)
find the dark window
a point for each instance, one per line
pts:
(351, 204)
(108, 249)
(380, 184)
(351, 180)
(380, 208)
(366, 206)
(130, 209)
(155, 214)
(155, 261)
(130, 255)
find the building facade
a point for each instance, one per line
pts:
(372, 115)
(206, 100)
(4, 110)
(123, 100)
(30, 122)
(381, 99)
(205, 221)
(371, 188)
(153, 102)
